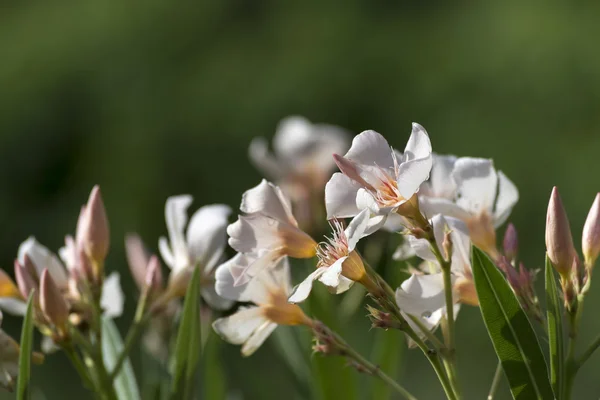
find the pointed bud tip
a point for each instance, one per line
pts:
(559, 241)
(511, 242)
(154, 279)
(591, 234)
(52, 302)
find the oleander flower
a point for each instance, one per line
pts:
(422, 295)
(471, 190)
(339, 265)
(268, 291)
(202, 246)
(375, 177)
(268, 228)
(301, 162)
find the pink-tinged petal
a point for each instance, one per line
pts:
(206, 235)
(421, 295)
(255, 231)
(340, 197)
(43, 258)
(476, 181)
(239, 327)
(263, 160)
(176, 219)
(356, 229)
(440, 184)
(269, 200)
(258, 338)
(137, 258)
(301, 292)
(331, 277)
(371, 149)
(431, 206)
(508, 195)
(225, 285)
(112, 296)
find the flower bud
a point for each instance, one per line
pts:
(154, 278)
(53, 305)
(511, 243)
(83, 267)
(94, 235)
(137, 258)
(24, 280)
(591, 234)
(559, 242)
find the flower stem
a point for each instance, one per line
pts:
(495, 381)
(572, 365)
(588, 353)
(80, 368)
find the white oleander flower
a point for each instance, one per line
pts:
(471, 190)
(376, 177)
(339, 265)
(267, 227)
(268, 291)
(202, 246)
(422, 295)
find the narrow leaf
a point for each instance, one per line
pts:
(25, 353)
(555, 332)
(188, 345)
(511, 333)
(112, 346)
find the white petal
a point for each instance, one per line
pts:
(356, 229)
(255, 231)
(421, 295)
(43, 258)
(263, 160)
(330, 140)
(365, 200)
(461, 246)
(225, 281)
(214, 301)
(239, 327)
(404, 252)
(431, 206)
(476, 182)
(394, 223)
(13, 306)
(340, 196)
(280, 274)
(343, 285)
(508, 195)
(112, 299)
(68, 253)
(376, 222)
(258, 338)
(418, 145)
(165, 252)
(206, 235)
(411, 174)
(370, 148)
(48, 346)
(269, 200)
(176, 219)
(301, 292)
(440, 184)
(294, 137)
(331, 277)
(421, 248)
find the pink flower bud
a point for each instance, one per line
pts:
(559, 242)
(25, 281)
(511, 243)
(590, 242)
(93, 233)
(154, 278)
(53, 305)
(137, 258)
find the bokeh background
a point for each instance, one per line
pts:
(156, 98)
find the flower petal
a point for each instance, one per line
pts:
(206, 235)
(269, 200)
(340, 196)
(176, 219)
(331, 277)
(294, 137)
(418, 145)
(166, 253)
(215, 301)
(431, 206)
(13, 306)
(258, 338)
(112, 299)
(476, 182)
(440, 184)
(356, 229)
(225, 285)
(411, 174)
(508, 195)
(263, 160)
(301, 291)
(370, 148)
(254, 231)
(421, 295)
(43, 258)
(239, 327)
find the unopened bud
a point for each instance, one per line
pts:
(53, 305)
(447, 246)
(84, 268)
(511, 243)
(31, 269)
(154, 278)
(24, 280)
(559, 242)
(94, 235)
(591, 234)
(137, 258)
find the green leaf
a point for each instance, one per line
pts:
(511, 333)
(25, 352)
(188, 346)
(555, 332)
(112, 346)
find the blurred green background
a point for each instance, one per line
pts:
(156, 98)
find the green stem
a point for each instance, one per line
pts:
(80, 368)
(495, 381)
(588, 353)
(572, 367)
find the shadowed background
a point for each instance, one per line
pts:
(162, 97)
